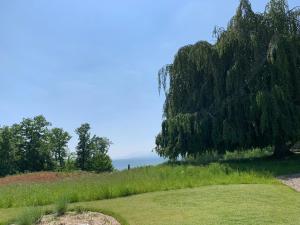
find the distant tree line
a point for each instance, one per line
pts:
(241, 92)
(32, 145)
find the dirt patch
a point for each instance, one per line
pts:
(36, 178)
(291, 180)
(72, 218)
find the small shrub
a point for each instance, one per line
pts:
(61, 207)
(101, 163)
(29, 216)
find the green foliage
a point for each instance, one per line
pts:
(241, 92)
(83, 148)
(32, 146)
(58, 142)
(61, 206)
(29, 216)
(92, 152)
(70, 162)
(8, 152)
(100, 161)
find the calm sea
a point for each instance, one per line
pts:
(122, 164)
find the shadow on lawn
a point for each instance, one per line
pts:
(277, 167)
(265, 164)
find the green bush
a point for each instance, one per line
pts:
(61, 206)
(100, 163)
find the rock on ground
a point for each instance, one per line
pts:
(72, 218)
(291, 180)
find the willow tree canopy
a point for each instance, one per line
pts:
(242, 91)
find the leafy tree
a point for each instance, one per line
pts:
(243, 91)
(92, 152)
(58, 143)
(34, 145)
(100, 160)
(8, 151)
(70, 163)
(83, 147)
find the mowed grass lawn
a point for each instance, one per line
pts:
(226, 192)
(225, 204)
(259, 204)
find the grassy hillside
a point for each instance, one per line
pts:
(227, 191)
(120, 184)
(149, 179)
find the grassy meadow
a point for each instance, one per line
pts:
(233, 189)
(120, 184)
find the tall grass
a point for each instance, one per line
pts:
(61, 206)
(29, 216)
(147, 179)
(119, 184)
(214, 156)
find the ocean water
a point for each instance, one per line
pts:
(121, 164)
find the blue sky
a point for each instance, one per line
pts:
(96, 61)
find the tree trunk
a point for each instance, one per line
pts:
(281, 150)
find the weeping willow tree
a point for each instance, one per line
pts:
(241, 92)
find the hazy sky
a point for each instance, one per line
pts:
(96, 61)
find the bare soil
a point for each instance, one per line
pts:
(291, 180)
(39, 177)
